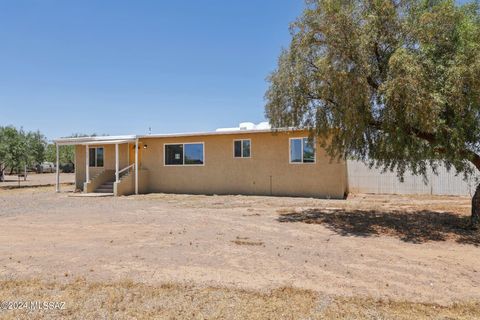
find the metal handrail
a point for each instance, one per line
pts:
(127, 168)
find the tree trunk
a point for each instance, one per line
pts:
(475, 217)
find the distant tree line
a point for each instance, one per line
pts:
(20, 149)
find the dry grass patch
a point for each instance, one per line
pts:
(244, 241)
(128, 300)
(363, 308)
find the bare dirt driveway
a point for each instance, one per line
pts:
(35, 180)
(399, 248)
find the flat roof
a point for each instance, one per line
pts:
(91, 139)
(207, 133)
(127, 138)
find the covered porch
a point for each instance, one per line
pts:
(105, 166)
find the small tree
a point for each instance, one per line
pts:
(37, 145)
(3, 153)
(66, 154)
(13, 149)
(395, 83)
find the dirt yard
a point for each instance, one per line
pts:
(34, 180)
(365, 257)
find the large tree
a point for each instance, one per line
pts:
(395, 83)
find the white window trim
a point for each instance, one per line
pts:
(96, 166)
(241, 149)
(183, 155)
(290, 151)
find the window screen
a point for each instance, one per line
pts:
(241, 148)
(302, 150)
(99, 157)
(238, 148)
(91, 157)
(174, 154)
(95, 157)
(246, 148)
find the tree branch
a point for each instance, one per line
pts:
(372, 83)
(468, 154)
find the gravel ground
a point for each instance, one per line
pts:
(382, 247)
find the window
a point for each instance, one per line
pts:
(193, 153)
(241, 148)
(302, 150)
(174, 154)
(95, 157)
(184, 154)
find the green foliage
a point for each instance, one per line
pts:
(19, 148)
(37, 145)
(394, 83)
(14, 151)
(66, 154)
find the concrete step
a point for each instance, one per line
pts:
(93, 194)
(104, 190)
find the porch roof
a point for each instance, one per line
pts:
(95, 140)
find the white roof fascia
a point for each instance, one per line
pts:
(128, 138)
(96, 139)
(106, 142)
(210, 133)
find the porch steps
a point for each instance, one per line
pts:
(107, 187)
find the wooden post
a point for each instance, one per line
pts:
(58, 169)
(136, 166)
(87, 162)
(116, 163)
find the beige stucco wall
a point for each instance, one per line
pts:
(109, 161)
(268, 171)
(125, 186)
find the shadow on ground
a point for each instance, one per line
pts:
(23, 186)
(414, 227)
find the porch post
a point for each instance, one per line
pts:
(116, 163)
(57, 188)
(87, 162)
(136, 166)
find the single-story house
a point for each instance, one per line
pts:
(251, 159)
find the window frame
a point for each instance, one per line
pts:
(301, 162)
(183, 154)
(241, 149)
(96, 157)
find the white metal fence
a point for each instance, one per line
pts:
(361, 179)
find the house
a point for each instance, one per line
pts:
(251, 159)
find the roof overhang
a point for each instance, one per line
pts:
(107, 142)
(218, 133)
(95, 140)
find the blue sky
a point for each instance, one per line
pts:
(120, 67)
